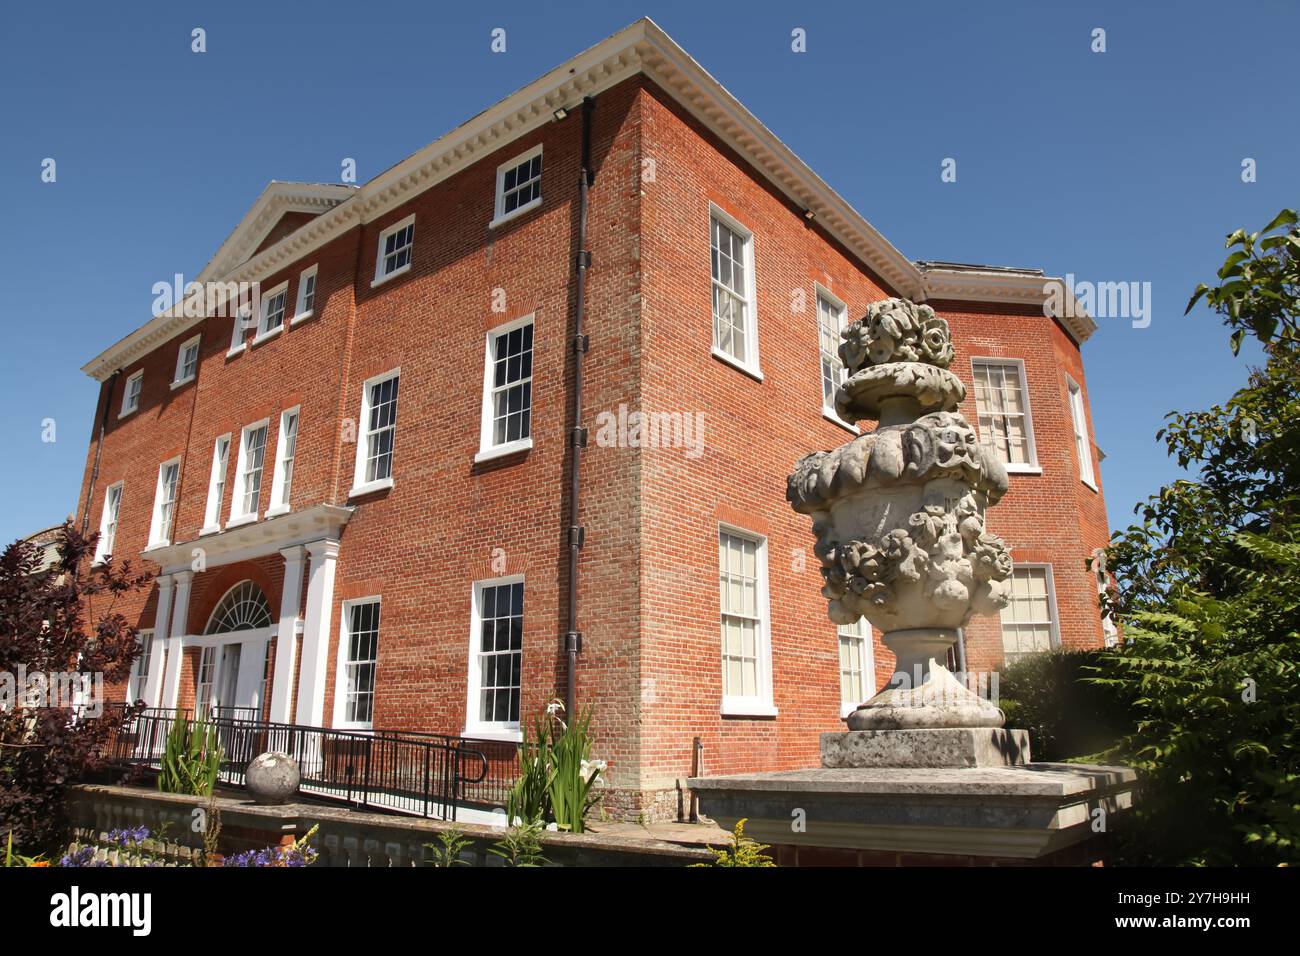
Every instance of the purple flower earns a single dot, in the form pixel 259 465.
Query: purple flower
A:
pixel 84 857
pixel 129 838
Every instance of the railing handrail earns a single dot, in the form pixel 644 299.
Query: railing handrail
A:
pixel 394 767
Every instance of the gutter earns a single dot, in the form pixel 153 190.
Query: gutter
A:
pixel 578 434
pixel 99 450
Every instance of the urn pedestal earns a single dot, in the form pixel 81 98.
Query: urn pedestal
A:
pixel 926 771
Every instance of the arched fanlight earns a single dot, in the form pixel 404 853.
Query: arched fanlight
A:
pixel 244 607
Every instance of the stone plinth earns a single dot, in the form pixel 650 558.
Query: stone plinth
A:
pixel 948 747
pixel 979 815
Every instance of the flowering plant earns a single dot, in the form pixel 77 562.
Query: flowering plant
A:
pixel 298 853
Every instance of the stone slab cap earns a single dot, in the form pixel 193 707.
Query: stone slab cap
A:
pixel 1023 812
pixel 955 747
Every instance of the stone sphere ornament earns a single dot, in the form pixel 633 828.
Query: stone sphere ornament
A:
pixel 272 778
pixel 898 515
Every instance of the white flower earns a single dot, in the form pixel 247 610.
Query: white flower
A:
pixel 590 768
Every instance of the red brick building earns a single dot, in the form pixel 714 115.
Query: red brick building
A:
pixel 359 500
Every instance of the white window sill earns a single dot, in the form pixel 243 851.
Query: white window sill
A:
pixel 383 484
pixel 846 709
pixel 354 728
pixel 515 213
pixel 276 511
pixel 380 280
pixel 753 371
pixel 126 414
pixel 239 520
pixel 155 545
pixel 235 351
pixel 303 317
pixel 494 733
pixel 100 560
pixel 1024 469
pixel 501 451
pixel 1090 484
pixel 266 336
pixel 181 383
pixel 830 416
pixel 210 529
pixel 747 708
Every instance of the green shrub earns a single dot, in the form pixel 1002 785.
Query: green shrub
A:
pixel 447 851
pixel 1068 716
pixel 191 759
pixel 556 776
pixel 1207 587
pixel 742 851
pixel 521 846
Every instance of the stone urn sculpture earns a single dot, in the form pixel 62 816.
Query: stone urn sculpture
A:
pixel 898 514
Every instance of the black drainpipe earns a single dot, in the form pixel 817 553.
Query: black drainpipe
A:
pixel 99 448
pixel 578 434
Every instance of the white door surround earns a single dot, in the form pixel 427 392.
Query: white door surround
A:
pixel 308 541
pixel 239 659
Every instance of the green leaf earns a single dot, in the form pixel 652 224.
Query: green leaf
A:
pixel 1287 217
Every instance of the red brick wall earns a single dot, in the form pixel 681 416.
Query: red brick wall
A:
pixel 757 430
pixel 649 594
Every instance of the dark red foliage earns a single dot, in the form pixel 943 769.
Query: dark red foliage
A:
pixel 44 628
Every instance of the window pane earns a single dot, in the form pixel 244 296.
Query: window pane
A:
pixel 741 621
pixel 500 652
pixel 1001 408
pixel 1027 618
pixel 511 391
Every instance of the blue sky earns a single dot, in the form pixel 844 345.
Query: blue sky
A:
pixel 1118 166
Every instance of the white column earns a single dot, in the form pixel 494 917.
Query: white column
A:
pixel 175 646
pixel 286 640
pixel 153 681
pixel 316 633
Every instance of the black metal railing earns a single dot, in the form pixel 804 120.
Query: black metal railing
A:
pixel 406 771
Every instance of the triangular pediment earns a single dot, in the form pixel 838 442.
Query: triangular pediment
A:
pixel 281 209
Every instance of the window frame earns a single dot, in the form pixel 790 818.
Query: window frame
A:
pixel 867 677
pixel 1033 466
pixel 340 720
pixel 828 410
pixel 180 378
pixel 241 323
pixel 490 730
pixel 1082 440
pixel 135 399
pixel 208 656
pixel 486 449
pixel 1054 626
pixel 216 485
pixel 263 313
pixel 380 275
pixel 279 492
pixel 750 366
pixel 237 518
pixel 762 704
pixel 103 554
pixel 302 311
pixel 156 539
pixel 359 484
pixel 499 215
pixel 140 666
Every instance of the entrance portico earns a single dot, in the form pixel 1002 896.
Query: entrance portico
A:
pixel 235 641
